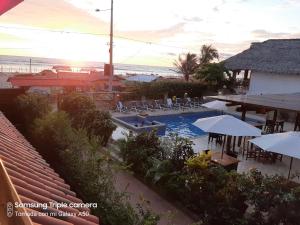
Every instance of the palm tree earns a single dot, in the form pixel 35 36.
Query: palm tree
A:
pixel 207 54
pixel 186 65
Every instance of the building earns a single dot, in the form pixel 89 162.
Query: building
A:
pixel 143 78
pixel 90 81
pixel 27 179
pixel 273 66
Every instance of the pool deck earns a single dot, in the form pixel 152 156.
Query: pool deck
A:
pixel 201 143
pixel 159 112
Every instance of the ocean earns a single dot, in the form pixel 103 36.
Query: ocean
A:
pixel 21 64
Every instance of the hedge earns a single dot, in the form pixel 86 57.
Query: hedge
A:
pixel 157 90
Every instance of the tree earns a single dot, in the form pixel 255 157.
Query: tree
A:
pixel 187 65
pixel 213 73
pixel 31 107
pixel 89 170
pixel 207 54
pixel 84 114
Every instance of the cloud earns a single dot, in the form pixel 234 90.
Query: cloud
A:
pixel 264 34
pixel 50 14
pixel 223 56
pixel 193 19
pixel 216 9
pixel 171 54
pixel 153 35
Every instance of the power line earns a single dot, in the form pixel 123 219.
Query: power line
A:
pixel 97 34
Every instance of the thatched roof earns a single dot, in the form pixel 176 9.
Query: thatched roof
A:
pixel 281 56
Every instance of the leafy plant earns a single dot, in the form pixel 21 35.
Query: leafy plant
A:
pixel 187 65
pixel 140 150
pixel 207 54
pixel 200 161
pixel 158 89
pixel 84 114
pixel 179 148
pixel 212 73
pixel 80 160
pixel 32 106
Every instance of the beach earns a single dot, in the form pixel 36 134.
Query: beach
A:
pixel 24 64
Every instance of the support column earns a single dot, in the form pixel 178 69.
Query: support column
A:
pixel 275 116
pixel 246 73
pixel 274 121
pixel 243 118
pixel 297 122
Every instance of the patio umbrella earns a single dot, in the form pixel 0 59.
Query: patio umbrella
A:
pixel 287 143
pixel 227 125
pixel 219 105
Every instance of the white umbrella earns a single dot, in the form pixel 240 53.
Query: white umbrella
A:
pixel 287 143
pixel 219 105
pixel 227 125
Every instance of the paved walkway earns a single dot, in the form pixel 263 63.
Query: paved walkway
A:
pixel 168 212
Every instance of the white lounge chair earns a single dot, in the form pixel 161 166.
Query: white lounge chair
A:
pixel 121 107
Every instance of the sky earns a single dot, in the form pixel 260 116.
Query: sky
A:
pixel 152 32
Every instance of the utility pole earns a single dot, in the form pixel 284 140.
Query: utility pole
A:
pixel 30 65
pixel 111 46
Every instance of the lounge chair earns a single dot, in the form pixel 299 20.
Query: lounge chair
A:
pixel 196 102
pixel 188 104
pixel 121 107
pixel 157 105
pixel 170 105
pixel 134 107
pixel 147 106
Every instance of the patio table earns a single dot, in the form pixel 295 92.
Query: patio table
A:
pixel 228 162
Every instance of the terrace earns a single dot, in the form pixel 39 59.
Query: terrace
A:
pixel 201 141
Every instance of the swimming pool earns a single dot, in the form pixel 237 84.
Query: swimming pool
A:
pixel 182 124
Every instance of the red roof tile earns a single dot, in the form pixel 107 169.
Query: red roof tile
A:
pixel 36 182
pixel 61 79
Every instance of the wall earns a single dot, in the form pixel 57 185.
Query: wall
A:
pixel 267 83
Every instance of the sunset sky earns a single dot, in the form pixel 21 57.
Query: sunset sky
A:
pixel 147 32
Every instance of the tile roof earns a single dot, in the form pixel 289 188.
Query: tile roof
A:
pixel 280 56
pixel 35 181
pixel 60 79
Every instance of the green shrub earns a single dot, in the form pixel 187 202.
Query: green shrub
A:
pixel 79 159
pixel 84 114
pixel 52 134
pixel 274 199
pixel 139 151
pixel 157 90
pixel 76 105
pixel 99 123
pixel 32 106
pixel 212 73
pixel 179 148
pixel 217 196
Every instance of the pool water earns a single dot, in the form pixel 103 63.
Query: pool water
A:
pixel 182 124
